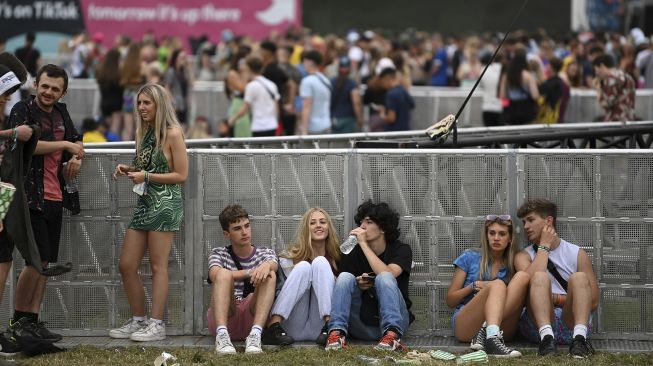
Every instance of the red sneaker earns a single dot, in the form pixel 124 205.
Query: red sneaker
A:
pixel 391 342
pixel 335 341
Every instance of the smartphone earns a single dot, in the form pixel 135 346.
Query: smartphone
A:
pixel 370 277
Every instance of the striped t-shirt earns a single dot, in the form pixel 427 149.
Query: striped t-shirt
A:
pixel 220 257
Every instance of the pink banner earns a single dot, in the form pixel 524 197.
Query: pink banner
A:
pixel 184 18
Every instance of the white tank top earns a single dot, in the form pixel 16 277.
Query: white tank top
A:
pixel 565 258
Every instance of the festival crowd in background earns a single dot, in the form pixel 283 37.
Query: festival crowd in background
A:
pixel 310 83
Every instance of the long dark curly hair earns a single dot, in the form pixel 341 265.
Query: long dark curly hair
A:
pixel 382 215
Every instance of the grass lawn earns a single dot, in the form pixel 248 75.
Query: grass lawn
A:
pixel 83 356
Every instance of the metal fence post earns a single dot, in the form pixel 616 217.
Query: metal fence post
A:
pixel 194 210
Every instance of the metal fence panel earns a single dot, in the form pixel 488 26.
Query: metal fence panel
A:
pixel 605 200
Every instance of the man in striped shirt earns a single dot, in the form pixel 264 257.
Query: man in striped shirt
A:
pixel 243 277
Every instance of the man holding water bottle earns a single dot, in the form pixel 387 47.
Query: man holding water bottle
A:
pixel 370 299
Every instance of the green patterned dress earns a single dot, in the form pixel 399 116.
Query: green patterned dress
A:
pixel 161 209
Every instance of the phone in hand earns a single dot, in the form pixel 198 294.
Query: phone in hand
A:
pixel 370 277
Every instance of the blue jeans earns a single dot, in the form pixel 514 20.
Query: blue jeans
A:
pixel 346 304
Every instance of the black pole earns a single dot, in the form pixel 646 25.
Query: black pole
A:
pixel 469 96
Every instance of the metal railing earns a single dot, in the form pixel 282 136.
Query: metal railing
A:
pixel 431 104
pixel 350 140
pixel 605 200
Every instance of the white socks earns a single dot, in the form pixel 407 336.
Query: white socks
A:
pixel 492 330
pixel 580 329
pixel 139 318
pixel 256 329
pixel 221 329
pixel 546 330
pixel 156 321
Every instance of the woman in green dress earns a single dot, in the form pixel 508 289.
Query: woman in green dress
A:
pixel 160 166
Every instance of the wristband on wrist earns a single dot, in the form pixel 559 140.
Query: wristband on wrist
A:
pixel 147 177
pixel 542 247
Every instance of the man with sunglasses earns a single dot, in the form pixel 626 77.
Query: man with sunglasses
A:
pixel 563 289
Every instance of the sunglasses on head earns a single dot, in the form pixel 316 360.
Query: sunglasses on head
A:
pixel 500 217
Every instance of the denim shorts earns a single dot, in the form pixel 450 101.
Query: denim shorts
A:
pixel 454 316
pixel 561 332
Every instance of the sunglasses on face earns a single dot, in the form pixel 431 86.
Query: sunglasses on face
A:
pixel 499 217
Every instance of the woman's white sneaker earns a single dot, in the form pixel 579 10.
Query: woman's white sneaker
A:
pixel 153 332
pixel 127 329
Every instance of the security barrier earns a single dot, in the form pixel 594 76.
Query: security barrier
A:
pixel 604 197
pixel 431 104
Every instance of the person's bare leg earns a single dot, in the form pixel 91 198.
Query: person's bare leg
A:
pixel 515 300
pixel 159 245
pixel 131 255
pixel 5 267
pixel 128 127
pixel 486 306
pixel 276 318
pixel 115 122
pixel 39 292
pixel 578 304
pixel 222 293
pixel 27 279
pixel 263 299
pixel 540 306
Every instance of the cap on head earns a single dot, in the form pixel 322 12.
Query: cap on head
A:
pixel 9 82
pixel 343 62
pixel 384 63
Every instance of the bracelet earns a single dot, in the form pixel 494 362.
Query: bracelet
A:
pixel 147 177
pixel 542 247
pixel 473 286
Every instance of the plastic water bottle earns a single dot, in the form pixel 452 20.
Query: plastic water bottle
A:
pixel 70 185
pixel 348 245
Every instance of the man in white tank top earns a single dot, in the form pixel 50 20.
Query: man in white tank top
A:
pixel 561 300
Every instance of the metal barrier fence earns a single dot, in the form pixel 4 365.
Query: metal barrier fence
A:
pixel 431 104
pixel 349 140
pixel 605 200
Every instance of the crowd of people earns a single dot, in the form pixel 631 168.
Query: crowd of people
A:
pixel 319 79
pixel 311 291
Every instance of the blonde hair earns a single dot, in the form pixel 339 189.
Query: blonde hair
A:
pixel 164 117
pixel 508 253
pixel 301 249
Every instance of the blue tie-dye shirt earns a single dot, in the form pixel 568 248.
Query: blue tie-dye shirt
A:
pixel 470 263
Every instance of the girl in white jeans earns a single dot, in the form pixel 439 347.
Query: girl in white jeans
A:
pixel 303 305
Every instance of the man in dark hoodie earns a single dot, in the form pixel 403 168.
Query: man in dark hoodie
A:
pixel 12 75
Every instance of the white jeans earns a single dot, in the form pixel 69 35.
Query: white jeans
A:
pixel 305 299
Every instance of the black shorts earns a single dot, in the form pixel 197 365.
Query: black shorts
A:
pixel 46 226
pixel 6 247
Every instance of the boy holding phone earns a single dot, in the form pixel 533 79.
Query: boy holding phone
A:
pixel 365 305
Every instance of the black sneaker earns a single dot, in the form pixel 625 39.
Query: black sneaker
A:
pixel 478 342
pixel 547 346
pixel 580 347
pixel 46 334
pixel 8 347
pixel 275 335
pixel 324 335
pixel 494 346
pixel 23 328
